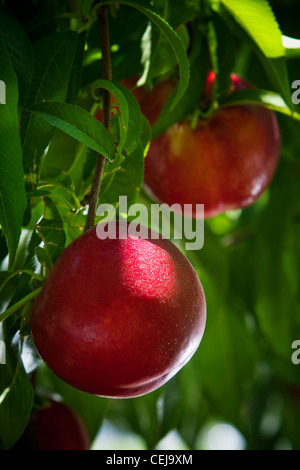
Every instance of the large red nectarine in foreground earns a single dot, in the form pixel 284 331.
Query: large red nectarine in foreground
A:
pixel 119 317
pixel 225 162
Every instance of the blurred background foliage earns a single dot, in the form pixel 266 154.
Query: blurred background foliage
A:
pixel 241 390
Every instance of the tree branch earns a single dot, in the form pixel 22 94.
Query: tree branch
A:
pixel 93 196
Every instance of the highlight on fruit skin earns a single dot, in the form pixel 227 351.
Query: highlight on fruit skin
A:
pixel 225 162
pixel 119 317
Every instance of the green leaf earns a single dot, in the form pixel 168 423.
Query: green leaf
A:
pixel 276 258
pixel 227 353
pixel 61 153
pixel 130 114
pixel 123 108
pixel 174 40
pixel 58 183
pixel 20 51
pixel 76 71
pixel 79 124
pixel 161 59
pixel 126 180
pixel 223 49
pixel 181 12
pixel 265 98
pixel 134 127
pixel 54 57
pixel 56 177
pixel 199 63
pixel 211 264
pixel 16 396
pixel 227 357
pixel 51 231
pixel 126 28
pixel 12 190
pixel 256 17
pixel 125 176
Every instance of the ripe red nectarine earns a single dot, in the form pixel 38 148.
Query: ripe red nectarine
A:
pixel 225 162
pixel 119 317
pixel 54 426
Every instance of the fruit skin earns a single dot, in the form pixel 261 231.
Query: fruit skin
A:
pixel 119 317
pixel 54 427
pixel 225 163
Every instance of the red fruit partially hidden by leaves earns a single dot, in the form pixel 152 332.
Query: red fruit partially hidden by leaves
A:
pixel 152 101
pixel 119 317
pixel 54 427
pixel 225 163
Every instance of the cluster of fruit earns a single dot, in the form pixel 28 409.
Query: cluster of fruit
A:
pixel 118 318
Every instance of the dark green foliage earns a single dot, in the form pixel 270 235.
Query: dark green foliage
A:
pixel 250 263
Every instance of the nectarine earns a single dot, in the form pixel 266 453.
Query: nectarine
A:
pixel 119 317
pixel 225 162
pixel 54 426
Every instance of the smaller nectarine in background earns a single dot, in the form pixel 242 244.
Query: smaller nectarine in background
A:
pixel 54 426
pixel 225 162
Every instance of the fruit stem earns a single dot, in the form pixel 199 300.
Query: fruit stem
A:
pixel 93 197
pixel 18 305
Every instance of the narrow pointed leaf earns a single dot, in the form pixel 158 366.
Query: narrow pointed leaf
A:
pixel 12 190
pixel 174 41
pixel 77 123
